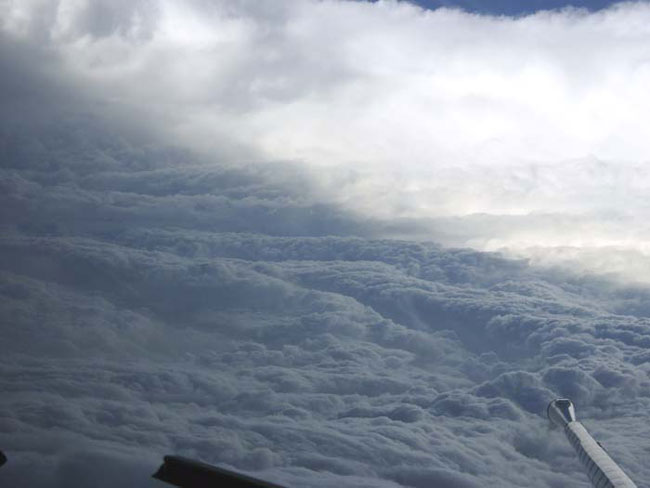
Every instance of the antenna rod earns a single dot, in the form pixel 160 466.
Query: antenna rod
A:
pixel 601 469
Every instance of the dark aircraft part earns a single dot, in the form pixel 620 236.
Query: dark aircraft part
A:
pixel 3 458
pixel 186 473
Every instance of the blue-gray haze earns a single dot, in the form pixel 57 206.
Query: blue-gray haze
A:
pixel 513 7
pixel 156 301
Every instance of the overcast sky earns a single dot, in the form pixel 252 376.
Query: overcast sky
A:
pixel 256 234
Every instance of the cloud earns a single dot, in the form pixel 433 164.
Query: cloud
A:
pixel 324 353
pixel 514 134
pixel 154 300
pixel 545 88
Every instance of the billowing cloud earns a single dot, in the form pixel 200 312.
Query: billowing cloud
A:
pixel 150 307
pixel 434 88
pixel 229 306
pixel 522 134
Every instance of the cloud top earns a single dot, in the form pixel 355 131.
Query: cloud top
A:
pixel 424 87
pixel 535 121
pixel 152 303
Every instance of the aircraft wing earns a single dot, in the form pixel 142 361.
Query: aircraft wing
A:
pixel 187 473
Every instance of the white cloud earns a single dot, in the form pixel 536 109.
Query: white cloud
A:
pixel 414 113
pixel 341 82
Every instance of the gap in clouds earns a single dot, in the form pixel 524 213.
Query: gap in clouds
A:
pixel 514 8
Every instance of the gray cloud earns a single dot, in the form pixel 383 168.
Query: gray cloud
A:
pixel 154 301
pixel 268 352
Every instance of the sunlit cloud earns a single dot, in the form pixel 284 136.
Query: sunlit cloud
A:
pixel 399 111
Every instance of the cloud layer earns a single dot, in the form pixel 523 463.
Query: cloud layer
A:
pixel 154 300
pixel 533 126
pixel 151 306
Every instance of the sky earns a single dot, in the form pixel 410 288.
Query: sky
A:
pixel 321 242
pixel 513 7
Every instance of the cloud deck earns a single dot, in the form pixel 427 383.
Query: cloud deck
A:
pixel 154 300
